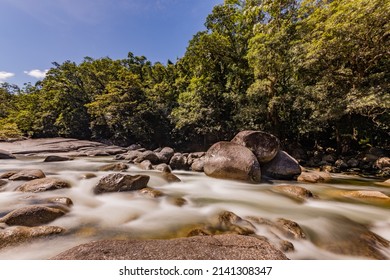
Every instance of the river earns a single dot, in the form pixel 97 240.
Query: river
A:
pixel 325 220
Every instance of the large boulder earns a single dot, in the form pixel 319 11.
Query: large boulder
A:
pixel 229 160
pixel 32 216
pixel 43 184
pixel 283 166
pixel 265 146
pixel 16 235
pixel 218 247
pixel 6 155
pixel 119 182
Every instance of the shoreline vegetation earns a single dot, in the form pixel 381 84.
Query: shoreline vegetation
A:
pixel 313 73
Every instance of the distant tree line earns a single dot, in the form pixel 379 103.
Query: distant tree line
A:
pixel 312 71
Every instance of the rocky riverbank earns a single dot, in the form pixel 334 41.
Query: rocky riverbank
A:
pixel 38 200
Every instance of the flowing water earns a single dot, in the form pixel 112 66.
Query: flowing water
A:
pixel 122 215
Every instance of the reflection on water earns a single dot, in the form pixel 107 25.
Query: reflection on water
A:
pixel 328 221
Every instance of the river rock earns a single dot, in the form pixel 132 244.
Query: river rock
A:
pixel 114 167
pixel 146 165
pixel 290 229
pixel 265 146
pixel 341 165
pixel 353 163
pixel 382 163
pixel 227 221
pixel 2 182
pixel 385 183
pixel 162 167
pixel 55 158
pixel 283 166
pixel 218 247
pixel 6 155
pixel 66 201
pixel 314 177
pixel 42 185
pixel 281 226
pixel 198 165
pixel 8 174
pixel 32 216
pixel 118 182
pixel 165 155
pixel 170 177
pixel 295 192
pixel 178 162
pixel 153 193
pixel 16 235
pixel 194 156
pixel 228 160
pixel 97 153
pixel 147 155
pixel 27 175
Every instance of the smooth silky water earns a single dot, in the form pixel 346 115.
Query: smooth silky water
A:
pixel 131 215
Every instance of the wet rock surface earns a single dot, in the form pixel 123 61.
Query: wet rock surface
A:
pixel 31 216
pixel 296 192
pixel 219 247
pixel 282 166
pixel 17 235
pixel 119 182
pixel 232 161
pixel 27 175
pixel 42 185
pixel 55 158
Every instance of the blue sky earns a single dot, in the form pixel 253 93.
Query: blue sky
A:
pixel 35 33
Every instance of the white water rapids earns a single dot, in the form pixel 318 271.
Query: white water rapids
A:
pixel 130 215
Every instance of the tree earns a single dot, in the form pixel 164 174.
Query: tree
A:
pixel 344 66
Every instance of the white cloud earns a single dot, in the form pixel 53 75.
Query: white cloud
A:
pixel 5 75
pixel 38 74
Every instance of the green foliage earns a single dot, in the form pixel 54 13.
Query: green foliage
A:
pixel 304 70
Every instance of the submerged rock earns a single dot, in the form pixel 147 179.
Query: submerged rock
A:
pixel 32 216
pixel 295 192
pixel 349 238
pixel 42 185
pixel 6 155
pixel 219 247
pixel 228 160
pixel 118 182
pixel 153 193
pixel 265 146
pixel 55 158
pixel 13 236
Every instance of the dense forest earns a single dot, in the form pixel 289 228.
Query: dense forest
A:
pixel 313 72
